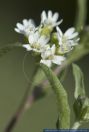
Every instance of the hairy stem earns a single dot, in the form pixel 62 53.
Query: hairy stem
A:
pixel 62 99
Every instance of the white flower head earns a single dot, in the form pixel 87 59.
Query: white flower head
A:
pixel 49 57
pixel 26 27
pixel 50 19
pixel 36 42
pixel 67 40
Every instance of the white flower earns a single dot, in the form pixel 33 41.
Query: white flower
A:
pixel 49 57
pixel 36 42
pixel 50 19
pixel 26 27
pixel 67 40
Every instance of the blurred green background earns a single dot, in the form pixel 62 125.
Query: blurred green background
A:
pixel 13 83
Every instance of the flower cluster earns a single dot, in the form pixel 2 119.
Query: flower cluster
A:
pixel 51 45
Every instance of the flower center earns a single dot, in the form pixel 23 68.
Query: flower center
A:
pixel 36 46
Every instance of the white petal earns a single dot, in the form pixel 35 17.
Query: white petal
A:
pixel 46 62
pixel 69 31
pixel 44 48
pixel 27 46
pixel 43 40
pixel 46 40
pixel 59 32
pixel 31 39
pixel 20 26
pixel 74 42
pixel 46 53
pixel 73 35
pixel 49 14
pixel 17 30
pixel 55 17
pixel 36 36
pixel 31 21
pixel 57 23
pixel 25 22
pixel 43 16
pixel 58 59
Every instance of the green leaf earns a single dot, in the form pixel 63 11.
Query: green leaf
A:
pixel 61 96
pixel 8 48
pixel 79 82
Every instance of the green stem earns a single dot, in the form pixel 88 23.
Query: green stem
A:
pixel 62 99
pixel 81 14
